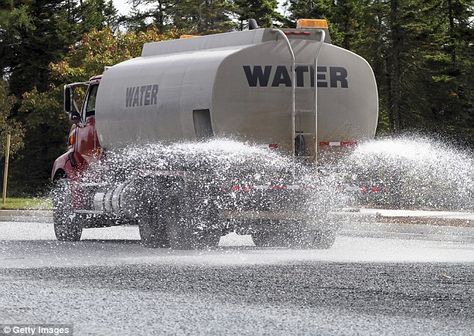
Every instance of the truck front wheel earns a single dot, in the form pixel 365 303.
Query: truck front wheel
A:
pixel 67 225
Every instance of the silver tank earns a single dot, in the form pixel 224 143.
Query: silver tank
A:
pixel 236 85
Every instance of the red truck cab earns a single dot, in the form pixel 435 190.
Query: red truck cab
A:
pixel 83 143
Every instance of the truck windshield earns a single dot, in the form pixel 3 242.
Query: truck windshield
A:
pixel 90 107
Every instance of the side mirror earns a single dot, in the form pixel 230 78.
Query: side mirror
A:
pixel 67 99
pixel 75 117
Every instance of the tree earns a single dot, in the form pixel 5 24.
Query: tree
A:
pixel 186 16
pixel 448 86
pixel 345 17
pixel 97 14
pixel 201 16
pixel 7 124
pixel 12 20
pixel 34 34
pixel 100 48
pixel 263 11
pixel 426 78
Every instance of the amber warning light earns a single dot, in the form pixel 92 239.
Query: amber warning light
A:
pixel 72 139
pixel 311 23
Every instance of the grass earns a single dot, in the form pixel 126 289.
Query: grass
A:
pixel 14 203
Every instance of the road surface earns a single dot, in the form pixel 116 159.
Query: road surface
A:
pixel 388 283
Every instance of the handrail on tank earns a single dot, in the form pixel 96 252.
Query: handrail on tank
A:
pixel 293 90
pixel 323 37
pixel 293 86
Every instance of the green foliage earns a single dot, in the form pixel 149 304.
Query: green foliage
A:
pixel 27 204
pixel 187 16
pixel 35 33
pixel 96 14
pixel 202 16
pixel 100 48
pixel 7 124
pixel 46 131
pixel 263 11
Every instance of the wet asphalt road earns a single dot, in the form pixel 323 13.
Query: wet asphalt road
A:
pixel 109 285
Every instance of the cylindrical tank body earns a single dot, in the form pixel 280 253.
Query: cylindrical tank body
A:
pixel 235 85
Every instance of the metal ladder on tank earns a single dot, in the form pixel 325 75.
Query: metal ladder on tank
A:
pixel 297 112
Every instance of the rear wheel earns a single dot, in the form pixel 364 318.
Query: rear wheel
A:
pixel 67 225
pixel 167 225
pixel 168 222
pixel 154 221
pixel 196 229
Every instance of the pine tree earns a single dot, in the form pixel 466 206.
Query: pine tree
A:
pixel 308 9
pixel 155 13
pixel 35 34
pixel 97 14
pixel 7 124
pixel 186 16
pixel 202 16
pixel 449 87
pixel 263 11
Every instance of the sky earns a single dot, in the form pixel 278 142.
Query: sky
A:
pixel 122 6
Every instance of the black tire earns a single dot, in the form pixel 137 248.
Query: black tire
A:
pixel 153 229
pixel 154 209
pixel 193 230
pixel 168 222
pixel 67 225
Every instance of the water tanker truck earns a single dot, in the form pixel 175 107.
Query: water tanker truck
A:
pixel 290 90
